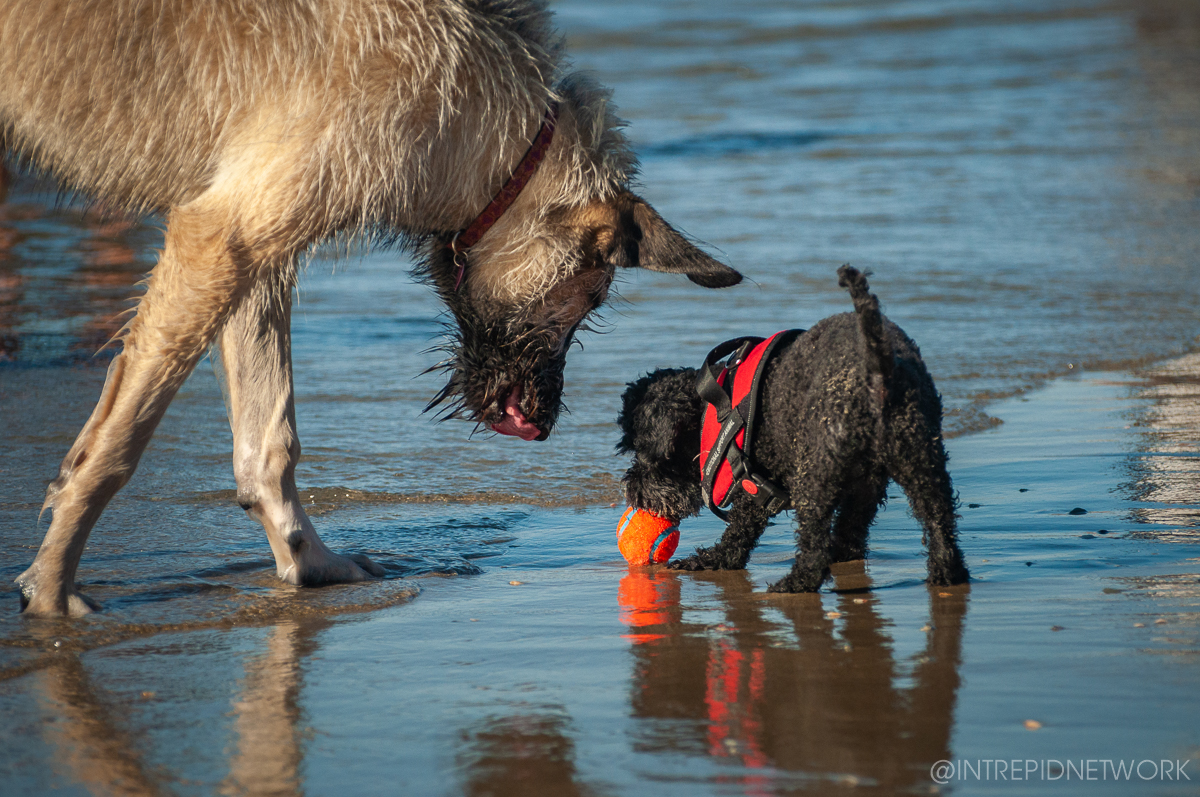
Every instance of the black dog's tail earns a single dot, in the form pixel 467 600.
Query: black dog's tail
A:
pixel 879 358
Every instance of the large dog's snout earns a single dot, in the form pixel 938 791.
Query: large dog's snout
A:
pixel 514 423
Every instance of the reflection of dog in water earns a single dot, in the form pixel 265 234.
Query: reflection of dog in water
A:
pixel 844 408
pixel 789 691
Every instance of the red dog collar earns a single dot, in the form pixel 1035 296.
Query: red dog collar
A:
pixel 465 239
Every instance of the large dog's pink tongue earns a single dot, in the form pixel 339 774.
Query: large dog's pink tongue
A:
pixel 515 423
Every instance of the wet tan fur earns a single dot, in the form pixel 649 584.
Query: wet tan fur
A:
pixel 258 129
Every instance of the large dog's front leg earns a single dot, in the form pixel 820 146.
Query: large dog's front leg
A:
pixel 191 291
pixel 255 349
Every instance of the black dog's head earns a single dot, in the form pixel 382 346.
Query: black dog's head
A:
pixel 660 425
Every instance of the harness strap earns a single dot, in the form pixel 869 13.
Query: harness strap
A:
pixel 718 386
pixel 708 383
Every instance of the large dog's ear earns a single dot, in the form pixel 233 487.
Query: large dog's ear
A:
pixel 644 239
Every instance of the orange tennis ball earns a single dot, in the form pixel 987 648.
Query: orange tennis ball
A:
pixel 645 538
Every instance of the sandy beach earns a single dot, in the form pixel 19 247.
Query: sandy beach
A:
pixel 1019 177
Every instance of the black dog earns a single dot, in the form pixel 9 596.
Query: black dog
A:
pixel 844 407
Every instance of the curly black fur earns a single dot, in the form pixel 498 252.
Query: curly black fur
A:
pixel 846 407
pixel 660 424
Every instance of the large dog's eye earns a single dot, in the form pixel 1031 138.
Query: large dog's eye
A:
pixel 604 240
pixel 608 249
pixel 568 302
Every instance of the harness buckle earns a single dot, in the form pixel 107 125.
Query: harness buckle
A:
pixel 460 261
pixel 765 493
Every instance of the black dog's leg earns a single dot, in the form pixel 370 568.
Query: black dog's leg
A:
pixel 919 467
pixel 856 512
pixel 747 521
pixel 814 517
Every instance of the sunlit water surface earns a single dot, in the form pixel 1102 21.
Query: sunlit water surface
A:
pixel 1020 177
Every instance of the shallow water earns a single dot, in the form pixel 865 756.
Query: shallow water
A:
pixel 1020 177
pixel 557 670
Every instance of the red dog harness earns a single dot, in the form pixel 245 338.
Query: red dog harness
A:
pixel 726 438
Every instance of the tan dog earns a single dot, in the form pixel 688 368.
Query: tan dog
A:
pixel 261 128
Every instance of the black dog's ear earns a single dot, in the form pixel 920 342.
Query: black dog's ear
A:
pixel 644 239
pixel 659 414
pixel 666 495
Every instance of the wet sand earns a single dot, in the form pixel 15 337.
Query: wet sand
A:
pixel 554 669
pixel 1021 178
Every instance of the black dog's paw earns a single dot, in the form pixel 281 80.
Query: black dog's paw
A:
pixel 948 574
pixel 809 581
pixel 692 564
pixel 790 586
pixel 843 551
pixel 714 558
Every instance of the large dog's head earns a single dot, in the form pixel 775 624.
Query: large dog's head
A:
pixel 535 276
pixel 660 422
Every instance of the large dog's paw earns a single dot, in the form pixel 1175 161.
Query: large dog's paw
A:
pixel 364 562
pixel 337 569
pixel 313 564
pixel 41 600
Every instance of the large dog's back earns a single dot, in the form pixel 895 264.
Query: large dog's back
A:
pixel 148 104
pixel 130 102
